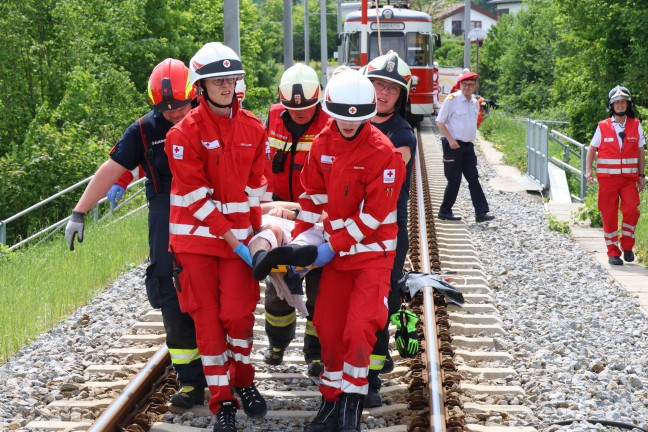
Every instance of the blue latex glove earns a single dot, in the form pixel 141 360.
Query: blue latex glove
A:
pixel 115 193
pixel 324 255
pixel 244 252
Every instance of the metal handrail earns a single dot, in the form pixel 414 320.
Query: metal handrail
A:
pixel 57 225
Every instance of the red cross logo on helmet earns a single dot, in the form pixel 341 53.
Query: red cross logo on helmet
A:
pixel 353 110
pixel 226 63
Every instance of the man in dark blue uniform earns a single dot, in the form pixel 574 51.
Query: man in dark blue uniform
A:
pixel 391 77
pixel 170 97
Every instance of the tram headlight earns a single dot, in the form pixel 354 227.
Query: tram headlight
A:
pixel 388 14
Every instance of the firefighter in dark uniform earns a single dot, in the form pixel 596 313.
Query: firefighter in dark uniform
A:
pixel 391 78
pixel 170 96
pixel 292 125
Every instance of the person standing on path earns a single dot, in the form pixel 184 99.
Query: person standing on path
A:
pixel 391 77
pixel 216 156
pixel 292 125
pixel 457 121
pixel 619 143
pixel 170 96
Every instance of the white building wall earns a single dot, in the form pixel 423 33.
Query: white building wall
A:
pixel 487 22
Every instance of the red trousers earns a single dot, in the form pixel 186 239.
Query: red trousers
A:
pixel 351 306
pixel 220 295
pixel 611 189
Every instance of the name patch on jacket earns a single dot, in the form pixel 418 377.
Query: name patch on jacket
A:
pixel 178 152
pixel 210 145
pixel 608 139
pixel 326 159
pixel 389 176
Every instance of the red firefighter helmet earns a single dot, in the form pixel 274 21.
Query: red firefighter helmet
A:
pixel 169 87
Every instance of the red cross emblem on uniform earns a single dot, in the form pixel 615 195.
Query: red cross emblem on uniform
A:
pixel 353 110
pixel 226 63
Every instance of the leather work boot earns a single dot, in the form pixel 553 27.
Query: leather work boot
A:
pixel 350 412
pixel 372 399
pixel 315 368
pixel 628 256
pixel 615 260
pixel 188 396
pixel 273 356
pixel 226 417
pixel 449 217
pixel 326 419
pixel 253 403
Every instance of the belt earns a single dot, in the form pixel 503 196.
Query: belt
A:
pixel 464 142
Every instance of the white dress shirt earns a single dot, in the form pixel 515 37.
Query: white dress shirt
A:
pixel 460 116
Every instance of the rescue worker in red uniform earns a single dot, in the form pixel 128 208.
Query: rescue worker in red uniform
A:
pixel 354 174
pixel 391 79
pixel 620 171
pixel 292 125
pixel 216 155
pixel 170 96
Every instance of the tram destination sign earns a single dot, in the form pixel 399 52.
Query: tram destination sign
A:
pixel 388 26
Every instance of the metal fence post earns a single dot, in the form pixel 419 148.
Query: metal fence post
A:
pixel 583 182
pixel 3 233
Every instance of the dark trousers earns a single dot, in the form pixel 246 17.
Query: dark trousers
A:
pixel 179 327
pixel 458 162
pixel 381 347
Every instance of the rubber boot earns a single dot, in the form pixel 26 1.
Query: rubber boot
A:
pixel 326 419
pixel 350 412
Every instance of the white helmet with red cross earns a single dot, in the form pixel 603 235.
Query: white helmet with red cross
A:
pixel 215 60
pixel 349 96
pixel 299 87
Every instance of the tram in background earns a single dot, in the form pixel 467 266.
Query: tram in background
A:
pixel 405 31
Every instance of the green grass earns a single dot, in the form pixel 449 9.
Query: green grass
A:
pixel 509 137
pixel 42 285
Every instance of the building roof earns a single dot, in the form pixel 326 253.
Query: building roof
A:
pixel 455 9
pixel 505 1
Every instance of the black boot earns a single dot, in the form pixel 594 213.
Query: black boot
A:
pixel 350 412
pixel 326 419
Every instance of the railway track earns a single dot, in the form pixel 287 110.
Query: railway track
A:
pixel 471 392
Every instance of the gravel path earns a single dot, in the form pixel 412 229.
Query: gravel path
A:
pixel 579 341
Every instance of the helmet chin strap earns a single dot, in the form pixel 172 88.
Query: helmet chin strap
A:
pixel 620 114
pixel 387 114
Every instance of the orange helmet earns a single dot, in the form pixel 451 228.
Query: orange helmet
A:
pixel 169 87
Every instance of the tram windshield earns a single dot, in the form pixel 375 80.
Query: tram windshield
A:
pixel 414 47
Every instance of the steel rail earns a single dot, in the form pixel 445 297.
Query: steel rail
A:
pixel 136 390
pixel 436 401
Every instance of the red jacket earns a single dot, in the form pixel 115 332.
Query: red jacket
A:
pixel 613 161
pixel 357 182
pixel 279 139
pixel 217 166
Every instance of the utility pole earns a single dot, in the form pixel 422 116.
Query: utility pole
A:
pixel 287 39
pixel 306 35
pixel 231 28
pixel 466 25
pixel 339 25
pixel 324 47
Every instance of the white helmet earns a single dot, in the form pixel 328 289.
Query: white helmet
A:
pixel 349 96
pixel 392 68
pixel 215 60
pixel 619 93
pixel 240 89
pixel 436 65
pixel 299 87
